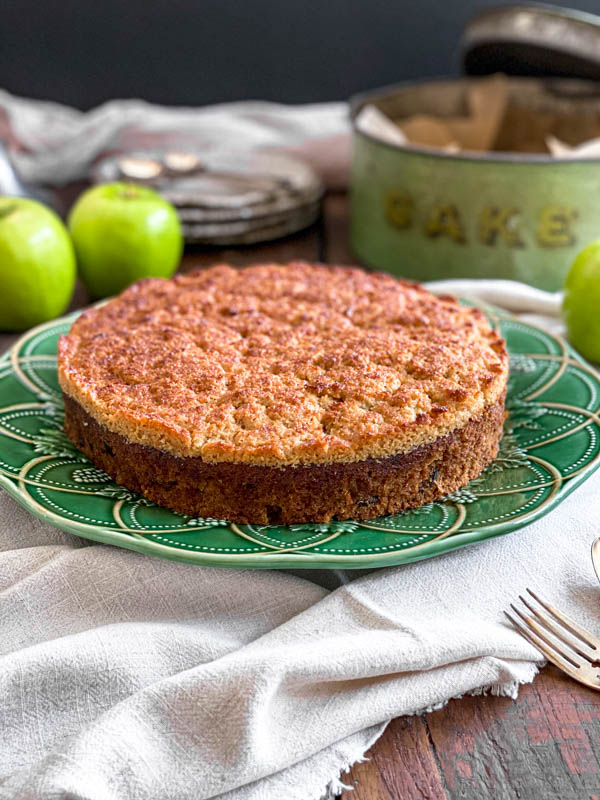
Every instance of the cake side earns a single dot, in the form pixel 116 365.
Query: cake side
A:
pixel 282 365
pixel 263 495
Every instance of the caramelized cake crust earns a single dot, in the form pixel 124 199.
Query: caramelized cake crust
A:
pixel 266 375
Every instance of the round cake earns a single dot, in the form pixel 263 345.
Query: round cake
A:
pixel 280 394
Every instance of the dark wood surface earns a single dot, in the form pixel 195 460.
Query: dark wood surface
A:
pixel 544 745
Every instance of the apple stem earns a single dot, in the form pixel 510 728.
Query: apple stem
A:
pixel 130 192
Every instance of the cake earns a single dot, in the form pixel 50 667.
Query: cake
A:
pixel 279 394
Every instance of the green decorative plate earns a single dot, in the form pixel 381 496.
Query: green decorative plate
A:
pixel 551 444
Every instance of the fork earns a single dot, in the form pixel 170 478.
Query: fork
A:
pixel 565 643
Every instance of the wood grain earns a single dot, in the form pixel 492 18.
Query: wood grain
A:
pixel 546 744
pixel 336 247
pixel 305 245
pixel 402 765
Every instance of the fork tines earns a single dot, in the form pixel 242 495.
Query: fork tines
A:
pixel 565 643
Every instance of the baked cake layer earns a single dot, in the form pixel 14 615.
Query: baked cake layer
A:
pixel 251 493
pixel 281 365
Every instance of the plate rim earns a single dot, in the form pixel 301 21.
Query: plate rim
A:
pixel 139 542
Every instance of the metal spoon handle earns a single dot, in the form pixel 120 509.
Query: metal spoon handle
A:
pixel 596 557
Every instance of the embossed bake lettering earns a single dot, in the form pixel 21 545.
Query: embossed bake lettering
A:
pixel 496 224
pixel 445 221
pixel 554 226
pixel 499 223
pixel 399 209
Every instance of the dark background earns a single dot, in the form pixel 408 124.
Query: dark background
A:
pixel 83 52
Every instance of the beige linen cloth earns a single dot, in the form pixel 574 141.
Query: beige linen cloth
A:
pixel 55 144
pixel 125 676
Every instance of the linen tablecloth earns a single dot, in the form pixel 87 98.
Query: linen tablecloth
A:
pixel 124 676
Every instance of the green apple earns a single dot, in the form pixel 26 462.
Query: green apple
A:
pixel 37 264
pixel 581 303
pixel 123 232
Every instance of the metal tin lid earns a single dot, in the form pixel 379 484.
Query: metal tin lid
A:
pixel 536 40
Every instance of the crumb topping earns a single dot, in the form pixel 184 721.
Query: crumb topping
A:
pixel 282 364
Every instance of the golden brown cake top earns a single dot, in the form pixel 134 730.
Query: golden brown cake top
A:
pixel 282 364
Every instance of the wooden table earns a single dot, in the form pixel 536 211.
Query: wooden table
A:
pixel 544 745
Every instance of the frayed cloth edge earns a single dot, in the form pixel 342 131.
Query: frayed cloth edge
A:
pixel 335 786
pixel 508 689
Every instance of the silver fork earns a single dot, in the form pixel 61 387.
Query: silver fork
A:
pixel 565 643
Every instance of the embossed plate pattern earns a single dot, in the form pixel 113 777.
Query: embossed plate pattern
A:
pixel 551 443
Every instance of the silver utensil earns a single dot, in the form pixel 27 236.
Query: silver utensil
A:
pixel 596 557
pixel 565 643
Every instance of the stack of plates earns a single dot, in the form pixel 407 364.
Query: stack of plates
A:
pixel 225 198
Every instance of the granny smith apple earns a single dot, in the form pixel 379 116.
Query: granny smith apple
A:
pixel 37 264
pixel 581 303
pixel 123 232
